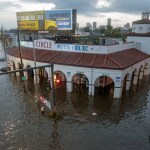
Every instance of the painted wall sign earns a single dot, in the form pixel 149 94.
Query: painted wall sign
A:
pixel 68 72
pixel 69 47
pixel 118 78
pixel 44 44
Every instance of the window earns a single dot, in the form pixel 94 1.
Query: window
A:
pixel 26 18
pixel 134 29
pixel 40 17
pixel 141 28
pixel 22 17
pixel 32 17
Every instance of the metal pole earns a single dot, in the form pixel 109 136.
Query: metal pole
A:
pixel 20 53
pixel 34 56
pixel 53 90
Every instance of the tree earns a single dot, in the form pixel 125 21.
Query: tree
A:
pixel 86 29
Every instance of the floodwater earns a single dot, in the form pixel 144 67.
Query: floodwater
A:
pixel 117 124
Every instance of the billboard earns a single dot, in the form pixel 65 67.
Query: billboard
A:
pixel 47 20
pixel 62 19
pixel 26 25
pixel 30 20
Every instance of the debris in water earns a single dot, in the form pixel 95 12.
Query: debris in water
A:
pixel 94 114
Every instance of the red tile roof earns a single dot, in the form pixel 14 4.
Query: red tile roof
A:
pixel 117 60
pixel 142 21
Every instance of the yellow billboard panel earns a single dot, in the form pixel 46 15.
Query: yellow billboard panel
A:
pixel 28 25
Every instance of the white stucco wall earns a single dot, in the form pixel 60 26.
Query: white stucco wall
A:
pixel 145 42
pixel 141 28
pixel 96 49
pixel 91 73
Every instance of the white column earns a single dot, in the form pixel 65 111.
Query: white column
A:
pixel 11 67
pixel 117 92
pixel 141 75
pixel 135 79
pixel 91 89
pixel 69 86
pixel 36 76
pixel 146 71
pixel 48 69
pixel 17 73
pixel 128 84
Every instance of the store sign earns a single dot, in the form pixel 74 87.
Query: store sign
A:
pixel 69 47
pixel 44 44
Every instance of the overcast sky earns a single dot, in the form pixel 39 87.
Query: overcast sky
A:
pixel 120 11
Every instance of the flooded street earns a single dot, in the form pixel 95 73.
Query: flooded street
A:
pixel 119 124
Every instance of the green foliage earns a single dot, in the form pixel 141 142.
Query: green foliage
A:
pixel 86 29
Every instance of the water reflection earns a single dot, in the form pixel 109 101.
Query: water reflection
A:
pixel 55 137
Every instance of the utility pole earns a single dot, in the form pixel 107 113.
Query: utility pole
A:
pixel 20 53
pixel 53 89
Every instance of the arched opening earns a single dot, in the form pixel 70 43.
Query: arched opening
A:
pixel 12 65
pixel 43 75
pixel 80 82
pixel 30 73
pixel 104 85
pixel 59 79
pixel 126 84
pixel 134 80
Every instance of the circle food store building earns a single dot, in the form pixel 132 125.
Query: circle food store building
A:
pixel 109 67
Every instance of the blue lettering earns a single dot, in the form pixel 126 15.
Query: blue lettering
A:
pixel 68 46
pixel 73 47
pixel 85 48
pixel 59 46
pixel 77 48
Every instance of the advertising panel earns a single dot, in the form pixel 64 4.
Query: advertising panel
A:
pixel 47 20
pixel 28 25
pixel 58 19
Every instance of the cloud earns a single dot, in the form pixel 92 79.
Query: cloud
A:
pixel 5 5
pixel 88 9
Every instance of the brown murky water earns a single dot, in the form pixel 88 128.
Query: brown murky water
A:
pixel 120 124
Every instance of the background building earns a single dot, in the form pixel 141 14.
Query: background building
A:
pixel 109 22
pixel 94 25
pixel 88 24
pixel 77 26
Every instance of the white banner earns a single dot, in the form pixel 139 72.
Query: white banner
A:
pixel 46 102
